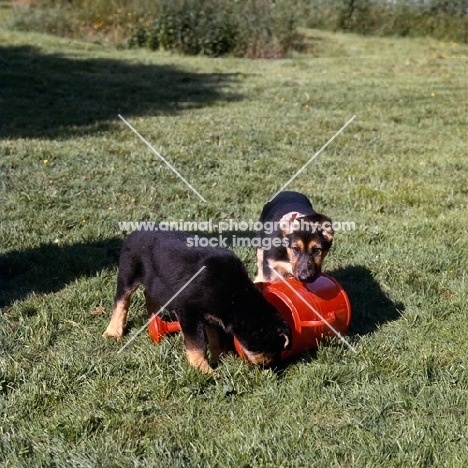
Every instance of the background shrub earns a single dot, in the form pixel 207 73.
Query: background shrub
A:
pixel 191 27
pixel 252 28
pixel 442 19
pixel 108 20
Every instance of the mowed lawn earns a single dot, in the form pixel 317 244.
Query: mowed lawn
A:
pixel 237 130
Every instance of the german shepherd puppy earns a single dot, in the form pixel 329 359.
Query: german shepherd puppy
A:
pixel 298 237
pixel 220 303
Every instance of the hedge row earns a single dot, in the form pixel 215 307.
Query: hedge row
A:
pixel 248 28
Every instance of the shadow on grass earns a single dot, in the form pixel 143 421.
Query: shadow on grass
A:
pixel 49 267
pixel 53 96
pixel 370 306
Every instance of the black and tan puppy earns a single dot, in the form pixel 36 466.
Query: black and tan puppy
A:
pixel 294 239
pixel 219 304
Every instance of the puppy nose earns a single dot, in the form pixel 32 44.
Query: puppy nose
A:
pixel 302 277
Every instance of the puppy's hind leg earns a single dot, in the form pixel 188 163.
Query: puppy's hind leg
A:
pixel 195 346
pixel 116 326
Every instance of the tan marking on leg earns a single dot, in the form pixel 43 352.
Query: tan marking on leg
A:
pixel 281 267
pixel 196 356
pixel 118 319
pixel 259 278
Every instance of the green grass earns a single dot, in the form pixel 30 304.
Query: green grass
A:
pixel 237 130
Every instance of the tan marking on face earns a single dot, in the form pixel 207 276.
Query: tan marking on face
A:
pixel 259 359
pixel 311 246
pixel 293 257
pixel 196 356
pixel 259 278
pixel 319 256
pixel 297 243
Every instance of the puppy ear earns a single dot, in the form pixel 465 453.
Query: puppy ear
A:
pixel 289 222
pixel 287 342
pixel 327 231
pixel 324 225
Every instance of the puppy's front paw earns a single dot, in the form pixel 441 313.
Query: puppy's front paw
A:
pixel 113 333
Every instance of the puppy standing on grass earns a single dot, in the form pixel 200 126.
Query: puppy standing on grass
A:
pixel 221 302
pixel 299 237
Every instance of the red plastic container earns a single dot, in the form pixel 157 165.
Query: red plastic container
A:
pixel 313 310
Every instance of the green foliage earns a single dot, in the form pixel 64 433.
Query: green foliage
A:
pixel 51 20
pixel 255 28
pixel 245 28
pixel 252 28
pixel 437 18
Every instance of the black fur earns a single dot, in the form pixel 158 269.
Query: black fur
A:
pixel 222 295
